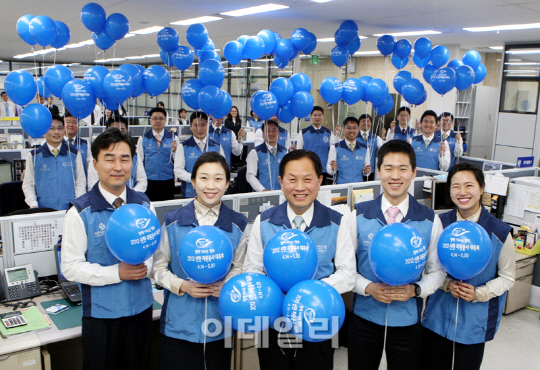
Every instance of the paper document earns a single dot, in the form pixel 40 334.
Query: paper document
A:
pixel 497 184
pixel 533 201
pixel 517 198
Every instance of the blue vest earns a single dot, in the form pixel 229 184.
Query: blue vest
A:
pixel 282 140
pixel 350 165
pixel 369 220
pixel 83 149
pixel 452 144
pixel 372 146
pixel 133 179
pixel 427 157
pixel 409 133
pixel 224 139
pixel 55 177
pixel 192 152
pixel 158 161
pixel 255 123
pixel 323 230
pixel 182 317
pixel 128 297
pixel 318 141
pixel 268 174
pixel 477 322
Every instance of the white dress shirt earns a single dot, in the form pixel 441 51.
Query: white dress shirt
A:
pixel 141 181
pixel 88 158
pixel 332 156
pixel 236 145
pixel 162 258
pixel 342 279
pixel 444 161
pixel 252 162
pixel 259 139
pixel 433 276
pixel 458 149
pixel 390 133
pixel 361 133
pixel 180 160
pixel 300 143
pixel 11 109
pixel 29 185
pixel 75 267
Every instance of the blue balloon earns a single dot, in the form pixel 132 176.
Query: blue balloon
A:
pixel 402 48
pixel 472 59
pixel 211 72
pixel 302 104
pixel 136 77
pixel 290 257
pixel 480 73
pixel 386 107
pixel 421 63
pixel 226 106
pixel 269 39
pixel 285 113
pixel 443 80
pixel 167 39
pixel 284 49
pixel 439 56
pixel 197 35
pixel 398 62
pixel 166 58
pixel 78 98
pixel 209 54
pixel 296 51
pixel 41 88
pixel 23 29
pixel 132 234
pixel 455 63
pixel 264 104
pixel 377 91
pixel 190 93
pixel 102 39
pixel 354 45
pixel 300 38
pixel 156 80
pixel 422 47
pixel 56 77
pixel 118 86
pixel 300 82
pixel 140 91
pixel 398 254
pixel 209 45
pixel 62 35
pixel 312 44
pixel 279 63
pixel 242 39
pixel 233 52
pixel 211 242
pixel 386 44
pixel 36 120
pixel 464 77
pixel 428 72
pixel 339 55
pixel 94 76
pixel 364 82
pixel 253 48
pixel 182 58
pixel 400 78
pixel 283 89
pixel 43 30
pixel 109 103
pixel 250 302
pixel 20 87
pixel 314 310
pixel 331 90
pixel 353 91
pixel 422 99
pixel 210 99
pixel 347 32
pixel 412 90
pixel 117 26
pixel 93 17
pixel 464 249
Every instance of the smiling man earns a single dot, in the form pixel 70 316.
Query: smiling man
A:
pixel 431 151
pixel 300 177
pixel 455 141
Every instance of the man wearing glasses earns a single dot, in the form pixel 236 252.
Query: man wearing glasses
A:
pixel 156 150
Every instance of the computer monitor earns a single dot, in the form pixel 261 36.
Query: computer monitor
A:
pixel 6 174
pixel 84 132
pixel 251 205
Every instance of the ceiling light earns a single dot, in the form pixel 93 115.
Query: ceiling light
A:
pixel 187 22
pixel 506 27
pixel 328 39
pixel 521 71
pixel 321 1
pixel 146 31
pixel 367 53
pixel 116 59
pixel 254 10
pixel 255 67
pixel 151 56
pixel 409 33
pixel 522 64
pixel 135 57
pixel 496 47
pixel 525 51
pixel 101 60
pixel 129 35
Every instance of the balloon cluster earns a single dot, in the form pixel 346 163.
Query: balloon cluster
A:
pixel 105 30
pixel 347 43
pixel 43 30
pixel 412 90
pixel 174 54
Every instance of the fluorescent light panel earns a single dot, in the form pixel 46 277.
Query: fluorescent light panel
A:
pixel 409 33
pixel 367 53
pixel 496 47
pixel 506 27
pixel 187 22
pixel 151 56
pixel 331 39
pixel 254 10
pixel 521 71
pixel 527 51
pixel 321 1
pixel 148 30
pixel 523 64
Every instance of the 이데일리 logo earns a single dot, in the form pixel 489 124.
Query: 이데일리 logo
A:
pixel 235 294
pixel 142 222
pixel 203 243
pixel 416 241
pixel 459 231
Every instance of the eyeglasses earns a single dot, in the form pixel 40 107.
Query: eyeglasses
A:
pixel 158 118
pixel 59 128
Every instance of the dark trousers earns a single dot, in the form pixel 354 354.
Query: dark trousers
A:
pixel 160 190
pixel 310 355
pixel 366 342
pixel 178 354
pixel 117 343
pixel 437 353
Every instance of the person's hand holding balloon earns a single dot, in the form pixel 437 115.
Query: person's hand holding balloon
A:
pixel 132 272
pixel 459 289
pixel 217 288
pixel 400 293
pixel 196 290
pixel 378 291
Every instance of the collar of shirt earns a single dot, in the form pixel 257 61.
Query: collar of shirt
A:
pixel 424 137
pixel 270 146
pixel 364 132
pixel 205 215
pixel 155 134
pixel 403 208
pixel 67 139
pixel 446 132
pixel 199 142
pixel 473 218
pixel 307 216
pixel 350 142
pixel 215 127
pixel 54 147
pixel 109 197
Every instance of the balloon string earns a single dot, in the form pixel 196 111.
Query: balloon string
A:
pixel 205 317
pixel 386 328
pixel 113 55
pixel 455 334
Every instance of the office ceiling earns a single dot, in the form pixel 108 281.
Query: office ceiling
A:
pixel 372 17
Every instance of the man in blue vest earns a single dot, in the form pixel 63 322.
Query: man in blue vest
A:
pixel 383 312
pixel 191 149
pixel 431 151
pixel 348 160
pixel 402 131
pixel 116 297
pixel 156 150
pixel 226 138
pixel 284 138
pixel 255 121
pixel 263 161
pixel 372 141
pixel 455 141
pixel 72 129
pixel 54 172
pixel 300 177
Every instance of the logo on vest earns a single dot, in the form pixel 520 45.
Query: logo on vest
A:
pixel 235 295
pixel 193 155
pixel 203 243
pixel 287 236
pixel 416 241
pixel 101 231
pixel 370 236
pixel 458 231
pixel 326 139
pixel 433 149
pixel 322 248
pixel 358 157
pixel 66 164
pixel 142 223
pixel 101 226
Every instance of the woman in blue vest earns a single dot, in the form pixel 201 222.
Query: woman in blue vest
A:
pixel 226 138
pixel 187 304
pixel 482 298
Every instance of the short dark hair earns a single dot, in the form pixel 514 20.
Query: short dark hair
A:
pixel 447 114
pixel 251 113
pixel 211 157
pixel 298 154
pixel 269 122
pixel 67 114
pixel 160 102
pixel 364 116
pixel 3 92
pixel 182 110
pixel 157 110
pixel 110 137
pixel 114 119
pixel 396 146
pixel 351 119
pixel 429 113
pixel 464 166
pixel 195 115
pixel 406 109
pixel 319 108
pixel 58 118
